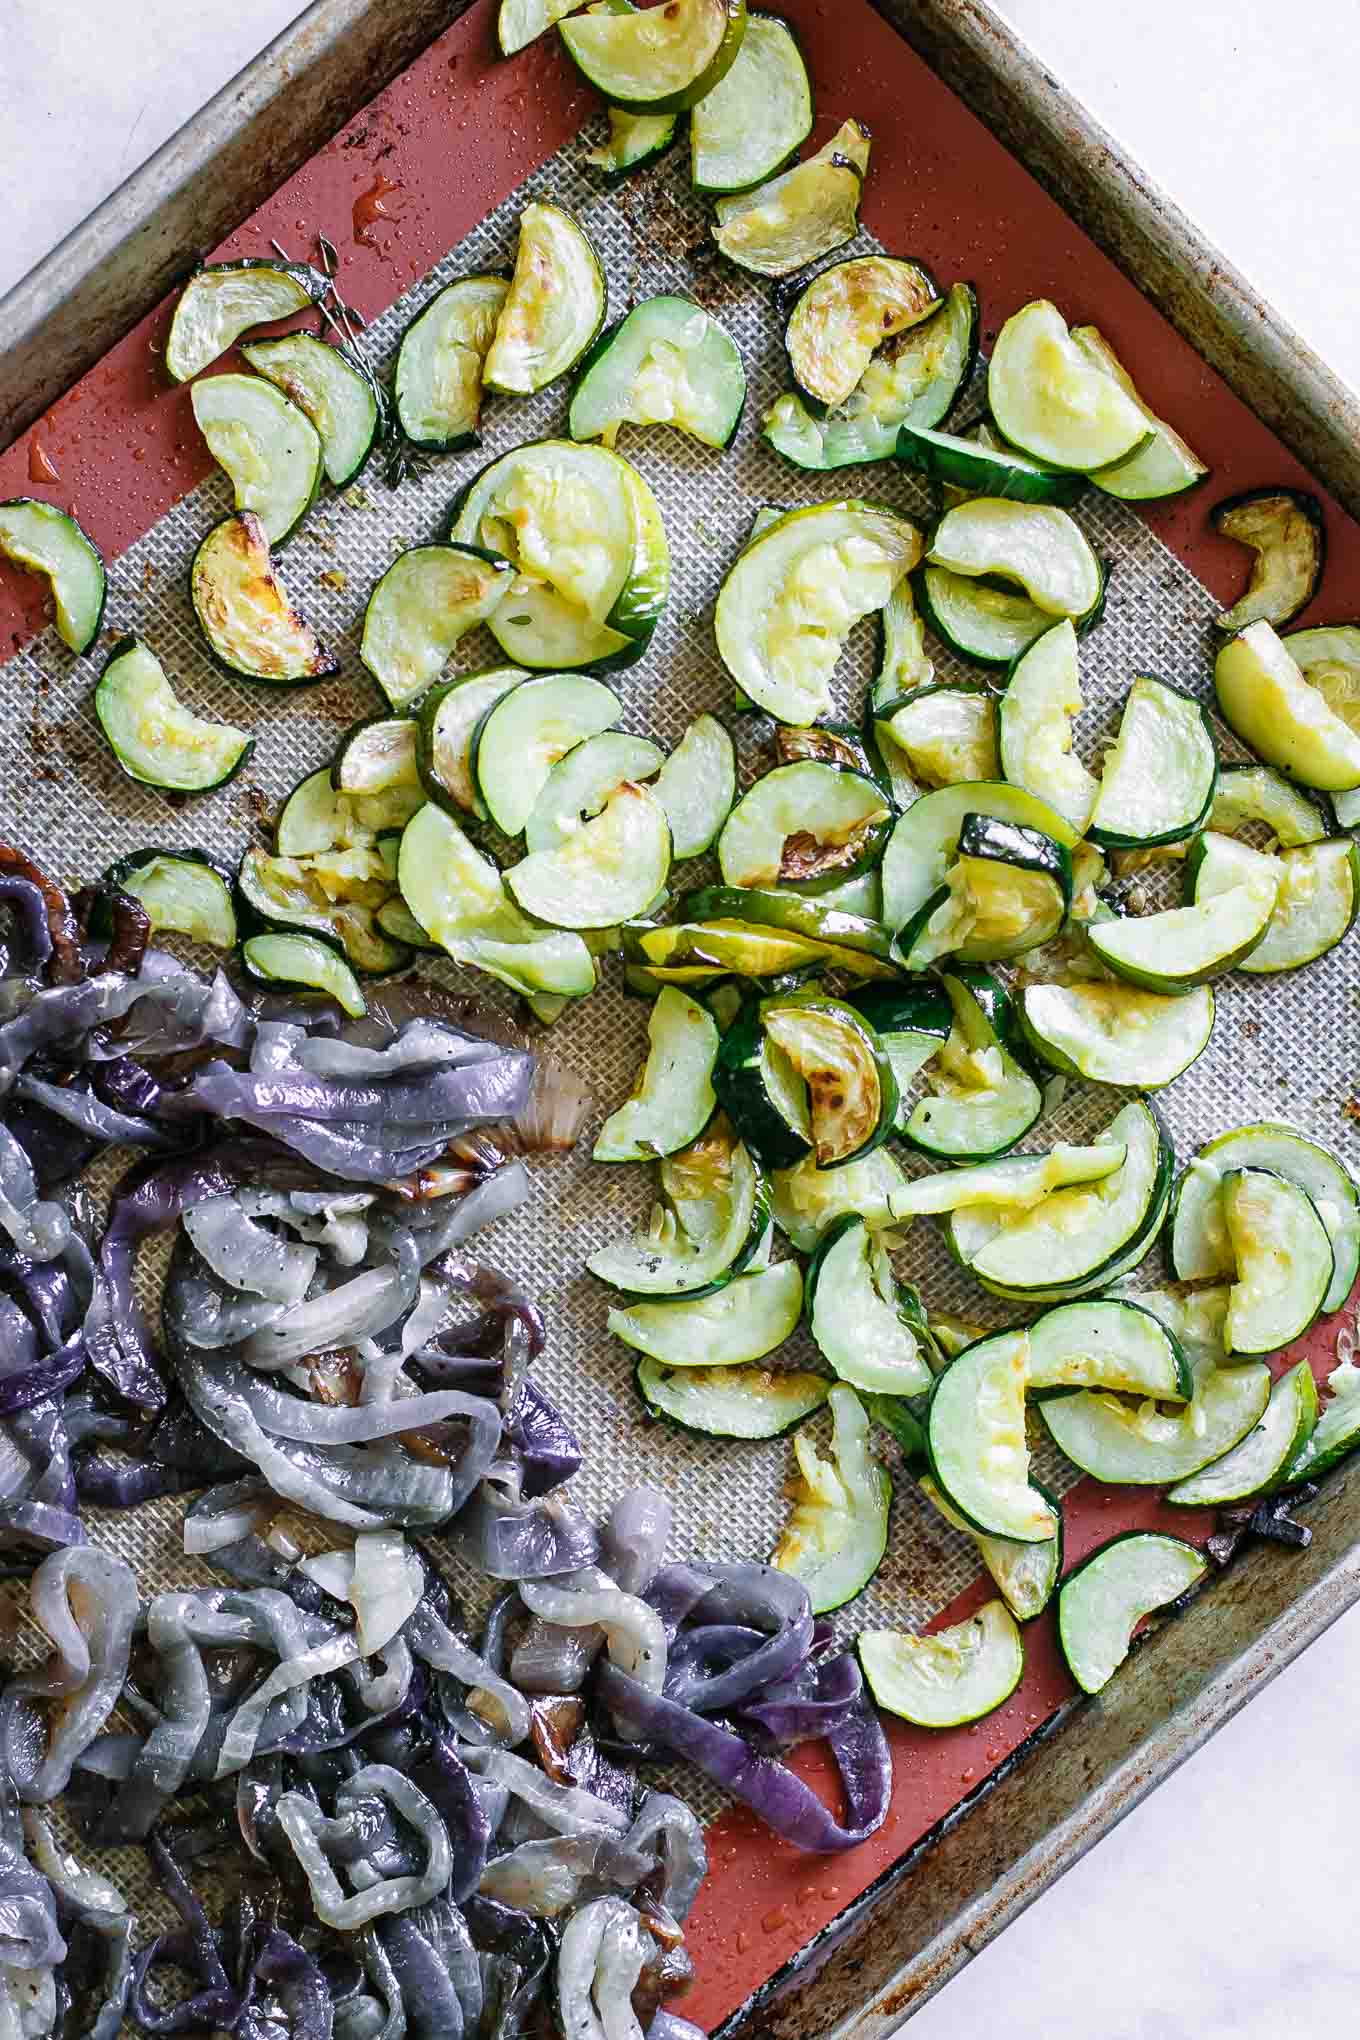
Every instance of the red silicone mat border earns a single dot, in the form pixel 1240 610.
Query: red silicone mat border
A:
pixel 455 134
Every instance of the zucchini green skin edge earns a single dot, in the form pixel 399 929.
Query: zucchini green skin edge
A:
pixel 77 638
pixel 815 1391
pixel 125 648
pixel 1077 1585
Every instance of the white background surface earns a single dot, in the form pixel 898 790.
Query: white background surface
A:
pixel 1222 1909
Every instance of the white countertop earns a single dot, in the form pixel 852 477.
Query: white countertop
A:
pixel 1205 1914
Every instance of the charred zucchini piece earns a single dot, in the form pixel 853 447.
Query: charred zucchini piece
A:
pixel 947 734
pixel 747 126
pixel 221 302
pixel 1166 466
pixel 808 824
pixel 851 1089
pixel 429 599
pixel 459 898
pixel 1285 718
pixel 802 215
pixel 1050 400
pixel 794 595
pixel 376 755
pixel 245 615
pixel 269 450
pixel 185 892
pixel 635 140
pixel 914 380
pixel 657 62
pixel 153 736
pixel 1286 531
pixel 306 962
pixel 762 1093
pixel 667 363
pixel 845 315
pixel 445 728
pixel 438 386
pixel 48 541
pixel 584 534
pixel 555 305
pixel 336 391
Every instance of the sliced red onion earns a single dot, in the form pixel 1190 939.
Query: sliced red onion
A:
pixel 446 1781
pixel 634 1538
pixel 665 1836
pixel 385 1585
pixel 45 911
pixel 753 1597
pixel 603 1950
pixel 356 1310
pixel 549 1451
pixel 666 2026
pixel 493 1698
pixel 26 899
pixel 514 1540
pixel 332 1220
pixel 427 1990
pixel 38 1227
pixel 287 1679
pixel 46 1290
pixel 308 1832
pixel 468 1095
pixel 419 1045
pixel 247 1257
pixel 818 1698
pixel 86 1602
pixel 768 1787
pixel 634 1633
pixel 295 1978
pixel 543 1878
pixel 566 1809
pixel 91 1116
pixel 199 1310
pixel 216 2003
pixel 29 1935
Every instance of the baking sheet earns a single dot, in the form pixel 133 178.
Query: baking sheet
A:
pixel 59 791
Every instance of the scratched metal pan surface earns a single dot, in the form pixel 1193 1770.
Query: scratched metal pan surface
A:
pixel 438 166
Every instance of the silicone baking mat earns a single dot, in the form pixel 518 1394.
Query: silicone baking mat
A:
pixel 426 184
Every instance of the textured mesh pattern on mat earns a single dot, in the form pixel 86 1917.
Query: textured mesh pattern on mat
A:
pixel 1272 1052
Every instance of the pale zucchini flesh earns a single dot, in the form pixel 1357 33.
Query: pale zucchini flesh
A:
pixel 155 739
pixel 579 785
pixel 798 217
pixel 1282 1260
pixel 1188 946
pixel 1139 1444
pixel 1256 1463
pixel 697 786
pixel 268 448
pixel 1199 1244
pixel 1051 401
pixel 863 1326
pixel 1164 467
pixel 1284 717
pixel 991 626
pixel 438 384
pixel 1043 695
pixel 657 61
pixel 731 1402
pixel 746 127
pixel 1108 1343
pixel 1101 1604
pixel 446 724
pixel 924 843
pixel 976 1439
pixel 1114 1033
pixel 47 541
pixel 1010 1184
pixel 947 734
pixel 1026 1573
pixel 837 1530
pixel 1317 904
pixel 947 1676
pixel 1036 545
pixel 1257 793
pixel 846 314
pixel 669 362
pixel 428 600
pixel 805 1200
pixel 342 401
pixel 733 1327
pixel 526 732
pixel 800 824
pixel 224 300
pixel 1159 778
pixel 554 307
pixel 711 1220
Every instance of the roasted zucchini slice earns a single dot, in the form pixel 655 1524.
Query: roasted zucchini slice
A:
pixel 244 613
pixel 987 625
pixel 579 786
pixel 184 892
pixel 335 899
pixel 903 662
pixel 336 391
pixel 924 843
pixel 948 1676
pixel 733 1327
pixel 224 300
pixel 867 1325
pixel 1034 545
pixel 1143 1444
pixel 153 736
pixel 762 1093
pixel 1116 1033
pixel 947 734
pixel 1111 1344
pixel 913 380
pixel 837 1530
pixel 376 755
pixel 657 62
pixel 1159 777
pixel 981 1100
pixel 427 601
pixel 1101 1604
pixel 805 1200
pixel 635 140
pixel 446 725
pixel 1265 1454
pixel 667 363
pixel 555 305
pixel 1199 1244
pixel 438 384
pixel 306 962
pixel 851 1089
pixel 1284 717
pixel 1187 946
pixel 1050 400
pixel 984 470
pixel 1043 695
pixel 731 1402
pixel 1282 1260
pixel 975 1435
pixel 808 824
pixel 583 532
pixel 1008 891
pixel 697 786
pixel 1257 793
pixel 1329 659
pixel 1286 531
pixel 459 898
pixel 269 450
pixel 913 1022
pixel 521 22
pixel 1315 907
pixel 1166 466
pixel 802 215
pixel 672 1099
pixel 808 916
pixel 712 1217
pixel 698 952
pixel 609 869
pixel 526 731
pixel 48 541
pixel 982 1197
pixel 752 121
pixel 789 603
pixel 841 319
pixel 1027 1574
